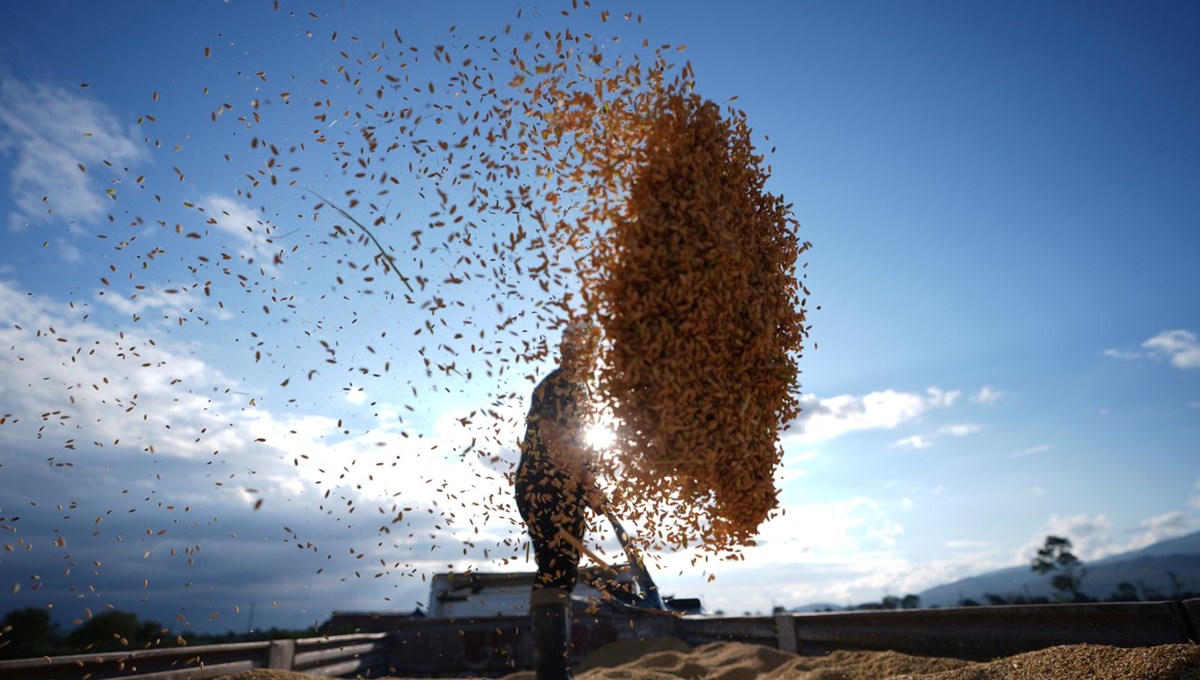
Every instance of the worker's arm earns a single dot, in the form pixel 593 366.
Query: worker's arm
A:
pixel 565 445
pixel 567 448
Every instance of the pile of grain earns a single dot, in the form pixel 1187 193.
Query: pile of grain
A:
pixel 738 661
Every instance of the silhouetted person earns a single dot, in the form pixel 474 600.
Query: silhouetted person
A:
pixel 554 489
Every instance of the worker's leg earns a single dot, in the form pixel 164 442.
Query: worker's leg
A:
pixel 557 571
pixel 550 619
pixel 549 506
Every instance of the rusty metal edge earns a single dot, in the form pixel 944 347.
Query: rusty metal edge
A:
pixel 981 633
pixel 1191 615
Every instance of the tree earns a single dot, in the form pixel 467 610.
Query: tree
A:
pixel 995 600
pixel 1067 570
pixel 28 633
pixel 114 631
pixel 910 602
pixel 1125 592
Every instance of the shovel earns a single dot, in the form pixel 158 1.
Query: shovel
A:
pixel 650 596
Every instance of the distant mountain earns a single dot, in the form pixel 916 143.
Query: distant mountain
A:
pixel 1149 570
pixel 1188 544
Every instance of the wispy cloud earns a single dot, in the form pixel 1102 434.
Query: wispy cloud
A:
pixel 1194 501
pixel 960 429
pixel 915 441
pixel 832 417
pixel 1031 451
pixel 924 441
pixel 959 544
pixel 988 396
pixel 1123 354
pixel 61 140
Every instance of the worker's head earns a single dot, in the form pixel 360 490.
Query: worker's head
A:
pixel 577 351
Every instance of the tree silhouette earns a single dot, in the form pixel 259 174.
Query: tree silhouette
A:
pixel 1125 592
pixel 115 631
pixel 28 632
pixel 1067 570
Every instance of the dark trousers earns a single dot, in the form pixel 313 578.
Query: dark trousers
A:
pixel 550 503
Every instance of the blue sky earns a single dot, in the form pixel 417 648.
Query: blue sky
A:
pixel 1003 201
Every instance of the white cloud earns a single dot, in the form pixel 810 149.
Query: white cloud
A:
pixel 69 252
pixel 886 533
pixel 121 395
pixel 916 441
pixel 791 467
pixel 849 578
pixel 988 396
pixel 1032 450
pixel 1194 501
pixel 815 533
pixel 960 429
pixel 114 422
pixel 1160 528
pixel 52 131
pixel 825 419
pixel 1179 346
pixel 924 441
pixel 169 304
pixel 1089 536
pixel 248 228
pixel 958 544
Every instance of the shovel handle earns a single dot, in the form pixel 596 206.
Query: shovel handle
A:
pixel 650 594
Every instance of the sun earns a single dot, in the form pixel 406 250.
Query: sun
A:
pixel 602 434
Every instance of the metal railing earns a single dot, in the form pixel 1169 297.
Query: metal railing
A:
pixel 341 655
